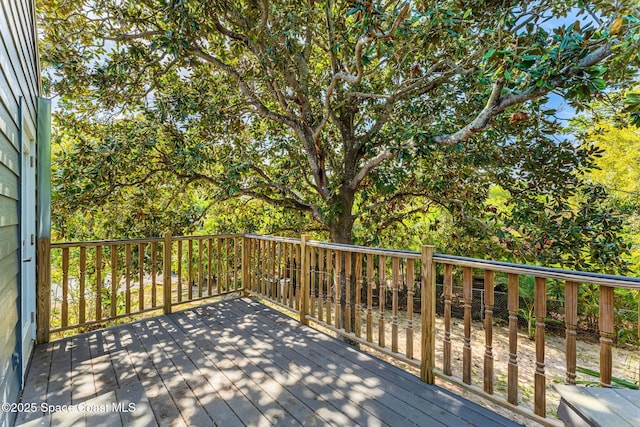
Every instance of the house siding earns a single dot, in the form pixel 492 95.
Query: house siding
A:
pixel 19 77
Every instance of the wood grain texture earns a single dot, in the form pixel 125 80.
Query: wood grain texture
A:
pixel 606 335
pixel 512 370
pixel 236 362
pixel 448 291
pixel 467 294
pixel 489 279
pixel 540 301
pixel 570 321
pixel 428 314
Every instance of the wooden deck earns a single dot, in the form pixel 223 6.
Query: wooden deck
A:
pixel 229 363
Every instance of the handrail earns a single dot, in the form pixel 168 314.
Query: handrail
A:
pixel 99 281
pixel 108 242
pixel 539 271
pixel 501 266
pixel 88 243
pixel 273 238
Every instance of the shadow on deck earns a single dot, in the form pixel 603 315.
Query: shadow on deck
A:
pixel 233 362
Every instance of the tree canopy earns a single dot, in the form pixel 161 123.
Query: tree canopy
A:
pixel 355 113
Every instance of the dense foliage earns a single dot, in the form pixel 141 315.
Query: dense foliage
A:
pixel 363 117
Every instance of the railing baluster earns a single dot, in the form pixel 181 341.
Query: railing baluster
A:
pixel 190 269
pixel 322 279
pixel 330 273
pixel 540 302
pixel 227 266
pixel 273 272
pixel 236 262
pixel 410 292
pixel 370 278
pixel 283 284
pixel 167 251
pixel 127 262
pixel 245 266
pixel 154 273
pixel 179 270
pixel 200 267
pixel 358 278
pixel 291 268
pixel 428 315
pixel 606 335
pixel 82 315
pixel 312 282
pixel 448 290
pixel 98 282
pixel 467 289
pixel 382 267
pixel 488 330
pixel 571 321
pixel 114 280
pixel 255 252
pixel 210 267
pixel 140 276
pixel 263 267
pixel 338 285
pixel 395 278
pixel 304 280
pixel 512 370
pixel 65 287
pixel 296 290
pixel 347 288
pixel 219 263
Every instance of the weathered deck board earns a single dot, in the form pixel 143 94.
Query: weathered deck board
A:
pixel 402 389
pixel 594 406
pixel 233 362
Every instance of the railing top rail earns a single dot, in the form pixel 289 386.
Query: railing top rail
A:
pixel 87 243
pixel 546 272
pixel 207 236
pixel 273 238
pixel 135 241
pixel 504 267
pixel 499 266
pixel 364 249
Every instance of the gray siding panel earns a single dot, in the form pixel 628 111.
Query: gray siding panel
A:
pixel 11 61
pixel 18 79
pixel 8 152
pixel 8 218
pixel 9 267
pixel 8 183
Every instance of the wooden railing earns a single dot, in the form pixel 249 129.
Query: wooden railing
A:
pixel 92 283
pixel 381 298
pixel 362 293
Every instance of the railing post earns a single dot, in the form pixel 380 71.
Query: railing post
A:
pixel 428 315
pixel 246 264
pixel 304 281
pixel 606 335
pixel 44 290
pixel 166 276
pixel 540 381
pixel 571 322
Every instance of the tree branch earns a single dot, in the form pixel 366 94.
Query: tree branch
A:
pixel 282 188
pixel 246 90
pixel 495 105
pixel 351 78
pixel 369 166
